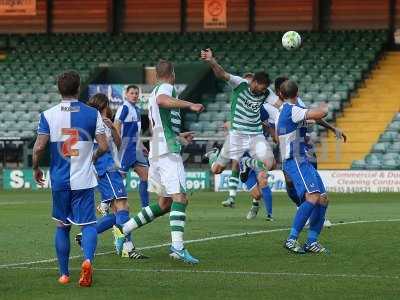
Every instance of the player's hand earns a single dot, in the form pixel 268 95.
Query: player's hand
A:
pixel 108 123
pixel 206 54
pixel 186 137
pixel 38 174
pixel 340 135
pixel 196 107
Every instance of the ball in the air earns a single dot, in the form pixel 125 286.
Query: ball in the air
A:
pixel 291 40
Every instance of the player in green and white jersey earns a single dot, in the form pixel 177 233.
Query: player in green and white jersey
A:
pixel 246 131
pixel 166 173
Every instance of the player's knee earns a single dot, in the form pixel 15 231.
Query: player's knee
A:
pixel 323 199
pixel 262 179
pixel 217 168
pixel 121 204
pixel 313 198
pixel 255 193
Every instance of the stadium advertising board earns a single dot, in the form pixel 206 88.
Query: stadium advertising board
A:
pixel 341 181
pixel 18 8
pixel 23 179
pixel 214 14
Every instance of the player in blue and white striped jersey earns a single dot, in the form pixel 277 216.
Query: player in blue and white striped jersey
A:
pixel 110 182
pixel 291 128
pixel 71 127
pixel 132 153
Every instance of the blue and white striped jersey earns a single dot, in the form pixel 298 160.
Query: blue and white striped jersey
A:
pixel 129 116
pixel 72 126
pixel 291 129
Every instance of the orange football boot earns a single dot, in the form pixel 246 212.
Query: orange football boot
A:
pixel 86 274
pixel 64 279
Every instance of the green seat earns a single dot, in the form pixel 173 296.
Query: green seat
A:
pixel 394 148
pixel 197 127
pixel 394 126
pixel 379 148
pixel 388 136
pixel 358 165
pixel 205 117
pixel 213 107
pixel 391 164
pixel 191 117
pixel 222 97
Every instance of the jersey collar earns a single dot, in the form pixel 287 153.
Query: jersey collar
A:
pixel 69 100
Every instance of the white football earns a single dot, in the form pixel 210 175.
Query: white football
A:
pixel 291 40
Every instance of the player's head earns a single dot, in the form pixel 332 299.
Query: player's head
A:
pixel 69 84
pixel 278 82
pixel 260 83
pixel 132 93
pixel 248 76
pixel 165 71
pixel 289 90
pixel 100 102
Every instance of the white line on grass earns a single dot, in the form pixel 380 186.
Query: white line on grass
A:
pixel 211 238
pixel 288 274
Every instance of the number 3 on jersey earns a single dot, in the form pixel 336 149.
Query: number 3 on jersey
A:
pixel 73 139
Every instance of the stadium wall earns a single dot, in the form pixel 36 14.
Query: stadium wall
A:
pixel 26 24
pixel 187 16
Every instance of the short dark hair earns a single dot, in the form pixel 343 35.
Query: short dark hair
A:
pixel 99 101
pixel 289 89
pixel 164 68
pixel 68 83
pixel 262 78
pixel 248 75
pixel 278 82
pixel 132 86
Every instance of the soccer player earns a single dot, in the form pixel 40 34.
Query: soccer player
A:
pixel 233 180
pixel 132 152
pixel 291 130
pixel 310 149
pixel 166 173
pixel 71 127
pixel 110 182
pixel 246 128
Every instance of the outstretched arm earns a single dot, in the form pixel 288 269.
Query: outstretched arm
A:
pixel 168 102
pixel 339 133
pixel 219 72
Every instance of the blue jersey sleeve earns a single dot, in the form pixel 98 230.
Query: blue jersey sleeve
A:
pixel 264 115
pixel 122 113
pixel 43 127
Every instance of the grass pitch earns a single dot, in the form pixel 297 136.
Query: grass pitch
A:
pixel 363 264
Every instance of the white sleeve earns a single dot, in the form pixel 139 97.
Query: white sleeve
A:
pixel 100 129
pixel 165 89
pixel 234 81
pixel 300 102
pixel 298 114
pixel 272 97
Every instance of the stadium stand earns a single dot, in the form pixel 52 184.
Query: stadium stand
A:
pixel 344 59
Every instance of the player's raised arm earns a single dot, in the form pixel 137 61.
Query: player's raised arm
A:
pixel 219 72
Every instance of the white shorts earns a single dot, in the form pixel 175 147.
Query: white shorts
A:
pixel 167 175
pixel 256 145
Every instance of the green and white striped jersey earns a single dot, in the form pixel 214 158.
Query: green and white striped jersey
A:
pixel 245 107
pixel 165 123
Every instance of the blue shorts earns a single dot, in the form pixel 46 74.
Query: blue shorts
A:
pixel 111 186
pixel 130 160
pixel 251 180
pixel 74 207
pixel 304 176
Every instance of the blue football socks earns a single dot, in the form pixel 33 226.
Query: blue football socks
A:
pixel 62 244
